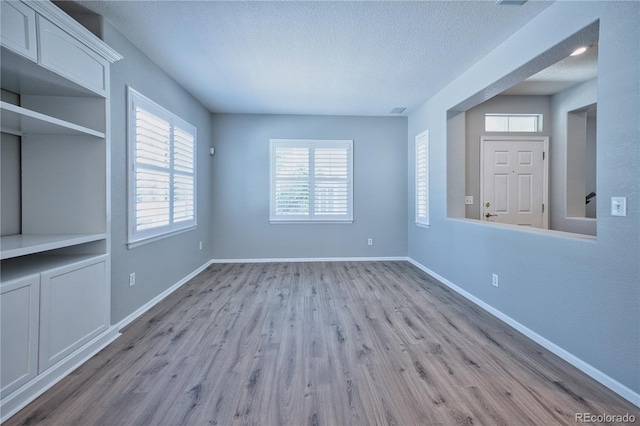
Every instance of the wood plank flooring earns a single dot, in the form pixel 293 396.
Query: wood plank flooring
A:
pixel 327 343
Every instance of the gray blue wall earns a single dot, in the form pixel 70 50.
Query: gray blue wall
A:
pixel 160 264
pixel 568 100
pixel 591 162
pixel 581 295
pixel 10 178
pixel 240 210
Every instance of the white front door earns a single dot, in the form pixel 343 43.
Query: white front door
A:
pixel 513 173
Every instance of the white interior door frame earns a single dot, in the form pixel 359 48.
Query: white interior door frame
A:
pixel 545 170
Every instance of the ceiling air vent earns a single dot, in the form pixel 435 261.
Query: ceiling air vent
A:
pixel 512 2
pixel 398 110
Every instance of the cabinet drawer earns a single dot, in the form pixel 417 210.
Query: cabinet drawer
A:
pixel 74 303
pixel 19 312
pixel 19 29
pixel 67 56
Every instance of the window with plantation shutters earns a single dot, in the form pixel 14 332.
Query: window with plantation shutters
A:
pixel 311 180
pixel 422 179
pixel 162 154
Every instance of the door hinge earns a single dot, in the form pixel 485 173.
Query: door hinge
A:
pixel 543 208
pixel 543 155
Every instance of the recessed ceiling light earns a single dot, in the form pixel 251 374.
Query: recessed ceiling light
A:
pixel 579 51
pixel 398 110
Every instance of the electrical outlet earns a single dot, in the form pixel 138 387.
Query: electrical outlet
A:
pixel 132 279
pixel 200 245
pixel 495 280
pixel 370 242
pixel 468 199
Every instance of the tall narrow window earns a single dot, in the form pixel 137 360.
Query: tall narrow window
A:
pixel 422 178
pixel 162 179
pixel 311 180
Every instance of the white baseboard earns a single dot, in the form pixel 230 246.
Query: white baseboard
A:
pixel 313 259
pixel 151 303
pixel 21 397
pixel 586 368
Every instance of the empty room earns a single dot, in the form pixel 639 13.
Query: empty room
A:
pixel 319 212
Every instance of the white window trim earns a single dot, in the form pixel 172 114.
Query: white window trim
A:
pixel 422 139
pixel 311 218
pixel 138 238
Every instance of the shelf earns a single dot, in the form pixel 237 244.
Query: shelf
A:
pixel 24 244
pixel 21 121
pixel 24 266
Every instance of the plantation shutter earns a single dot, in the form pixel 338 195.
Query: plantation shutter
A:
pixel 183 178
pixel 162 185
pixel 422 179
pixel 291 181
pixel 331 184
pixel 311 180
pixel 153 171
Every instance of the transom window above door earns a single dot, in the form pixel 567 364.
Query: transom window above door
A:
pixel 529 123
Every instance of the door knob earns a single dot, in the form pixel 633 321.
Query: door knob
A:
pixel 488 215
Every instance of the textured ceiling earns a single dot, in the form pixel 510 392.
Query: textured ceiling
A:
pixel 339 58
pixel 560 76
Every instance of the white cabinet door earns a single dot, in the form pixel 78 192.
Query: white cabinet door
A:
pixel 67 56
pixel 19 29
pixel 19 302
pixel 74 308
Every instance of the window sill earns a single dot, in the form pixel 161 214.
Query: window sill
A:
pixel 149 240
pixel 422 225
pixel 529 230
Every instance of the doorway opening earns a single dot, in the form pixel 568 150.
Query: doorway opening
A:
pixel 552 100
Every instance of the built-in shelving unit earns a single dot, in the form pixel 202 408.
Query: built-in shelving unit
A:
pixel 55 283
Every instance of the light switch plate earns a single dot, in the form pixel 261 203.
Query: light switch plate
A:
pixel 618 206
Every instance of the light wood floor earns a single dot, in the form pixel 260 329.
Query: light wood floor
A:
pixel 342 343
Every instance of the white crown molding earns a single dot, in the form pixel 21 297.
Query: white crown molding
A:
pixel 54 14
